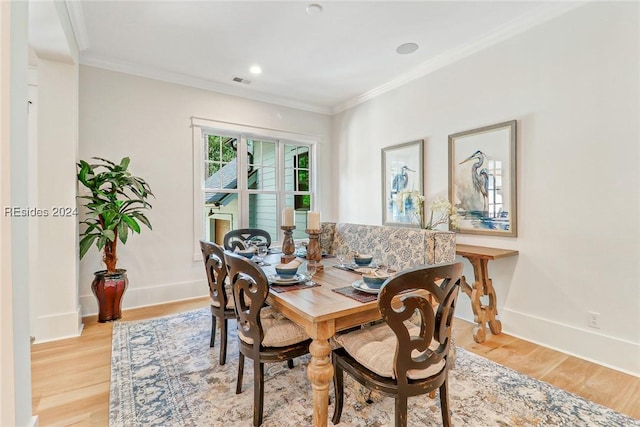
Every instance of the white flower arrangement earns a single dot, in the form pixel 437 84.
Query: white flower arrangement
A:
pixel 441 211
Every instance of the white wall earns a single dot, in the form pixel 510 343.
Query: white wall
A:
pixel 149 121
pixel 572 84
pixel 15 357
pixel 55 293
pixel 7 348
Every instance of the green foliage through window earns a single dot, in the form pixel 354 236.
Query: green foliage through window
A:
pixel 302 201
pixel 220 151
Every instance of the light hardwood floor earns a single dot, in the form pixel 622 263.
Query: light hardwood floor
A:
pixel 70 378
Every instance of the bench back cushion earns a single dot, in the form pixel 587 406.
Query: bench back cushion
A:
pixel 396 247
pixel 441 246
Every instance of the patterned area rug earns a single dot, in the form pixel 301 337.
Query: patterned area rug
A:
pixel 163 373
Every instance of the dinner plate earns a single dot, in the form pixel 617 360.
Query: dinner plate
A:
pixel 361 268
pixel 286 281
pixel 365 270
pixel 361 286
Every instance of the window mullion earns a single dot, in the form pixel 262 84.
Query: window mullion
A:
pixel 312 167
pixel 243 196
pixel 281 198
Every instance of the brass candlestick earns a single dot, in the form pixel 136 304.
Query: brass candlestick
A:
pixel 313 248
pixel 288 246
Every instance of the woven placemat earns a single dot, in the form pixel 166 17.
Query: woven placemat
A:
pixel 351 292
pixel 287 288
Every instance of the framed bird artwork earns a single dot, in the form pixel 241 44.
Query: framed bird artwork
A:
pixel 482 179
pixel 402 178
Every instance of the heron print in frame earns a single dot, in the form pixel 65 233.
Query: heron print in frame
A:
pixel 482 179
pixel 401 174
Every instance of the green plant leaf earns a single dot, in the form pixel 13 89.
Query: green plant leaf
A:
pixel 123 232
pixel 109 234
pixel 131 223
pixel 116 202
pixel 124 163
pixel 86 243
pixel 143 219
pixel 104 160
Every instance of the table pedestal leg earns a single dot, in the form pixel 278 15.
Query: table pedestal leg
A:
pixel 320 373
pixel 482 314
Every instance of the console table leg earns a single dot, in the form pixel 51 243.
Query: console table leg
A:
pixel 492 309
pixel 482 286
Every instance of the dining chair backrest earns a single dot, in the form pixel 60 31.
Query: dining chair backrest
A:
pixel 398 308
pixel 265 335
pixel 214 264
pixel 408 354
pixel 221 301
pixel 236 238
pixel 250 290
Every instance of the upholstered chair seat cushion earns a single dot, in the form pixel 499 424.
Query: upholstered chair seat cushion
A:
pixel 374 347
pixel 278 330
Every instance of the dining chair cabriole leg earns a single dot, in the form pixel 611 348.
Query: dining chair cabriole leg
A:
pixel 240 372
pixel 223 341
pixel 444 404
pixel 401 411
pixel 258 393
pixel 338 385
pixel 213 331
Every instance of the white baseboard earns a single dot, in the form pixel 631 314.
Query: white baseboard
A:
pixel 58 326
pixel 151 295
pixel 612 352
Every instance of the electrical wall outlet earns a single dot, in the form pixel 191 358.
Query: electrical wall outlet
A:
pixel 593 320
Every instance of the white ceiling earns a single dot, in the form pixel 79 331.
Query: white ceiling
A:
pixel 322 62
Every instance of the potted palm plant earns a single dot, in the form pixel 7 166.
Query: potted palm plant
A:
pixel 115 207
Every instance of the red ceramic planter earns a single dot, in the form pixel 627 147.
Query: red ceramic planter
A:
pixel 109 289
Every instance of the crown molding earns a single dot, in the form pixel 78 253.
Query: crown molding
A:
pixel 190 81
pixel 451 56
pixel 76 16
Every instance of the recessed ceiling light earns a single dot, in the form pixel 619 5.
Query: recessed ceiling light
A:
pixel 255 69
pixel 406 48
pixel 314 9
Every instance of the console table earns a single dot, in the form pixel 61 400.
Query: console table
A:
pixel 479 257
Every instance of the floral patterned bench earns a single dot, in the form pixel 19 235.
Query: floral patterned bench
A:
pixel 396 247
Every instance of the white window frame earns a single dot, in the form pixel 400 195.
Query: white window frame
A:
pixel 201 127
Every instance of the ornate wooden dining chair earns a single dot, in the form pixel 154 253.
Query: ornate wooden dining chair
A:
pixel 265 335
pixel 219 292
pixel 236 238
pixel 400 357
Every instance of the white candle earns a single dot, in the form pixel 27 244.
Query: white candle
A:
pixel 287 217
pixel 313 220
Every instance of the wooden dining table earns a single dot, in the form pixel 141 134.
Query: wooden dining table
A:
pixel 323 312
